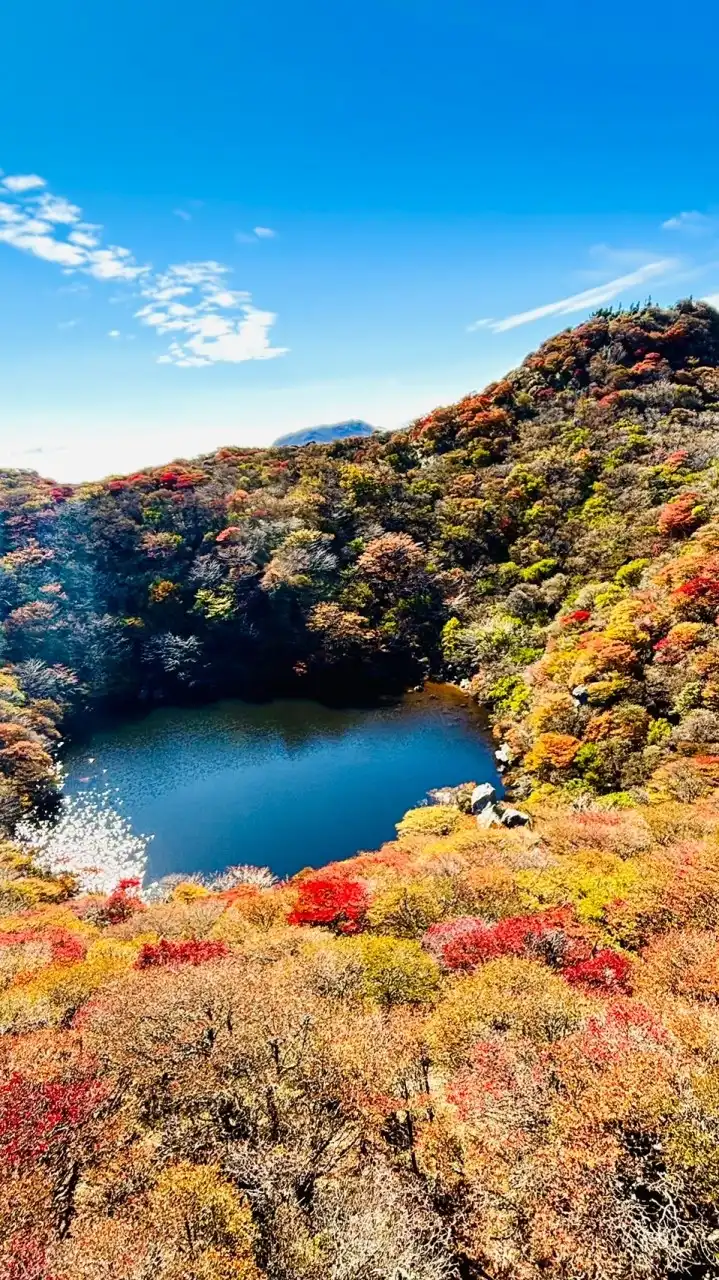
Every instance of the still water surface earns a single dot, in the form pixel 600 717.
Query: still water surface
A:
pixel 284 784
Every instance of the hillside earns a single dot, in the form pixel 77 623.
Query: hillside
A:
pixel 512 540
pixel 470 1054
pixel 325 435
pixel 475 1053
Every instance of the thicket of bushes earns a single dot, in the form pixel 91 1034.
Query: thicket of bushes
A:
pixel 472 1053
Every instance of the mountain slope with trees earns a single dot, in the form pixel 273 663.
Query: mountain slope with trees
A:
pixel 459 547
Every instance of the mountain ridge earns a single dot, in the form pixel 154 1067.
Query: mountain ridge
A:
pixel 350 429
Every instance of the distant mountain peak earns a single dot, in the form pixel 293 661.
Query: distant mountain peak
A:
pixel 326 434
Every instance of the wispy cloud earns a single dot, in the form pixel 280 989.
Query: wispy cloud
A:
pixel 258 233
pixel 68 324
pixel 209 322
pixel 51 228
pixel 23 182
pixel 183 214
pixel 712 299
pixel 588 298
pixel 692 222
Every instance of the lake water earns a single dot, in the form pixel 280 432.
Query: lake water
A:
pixel 284 784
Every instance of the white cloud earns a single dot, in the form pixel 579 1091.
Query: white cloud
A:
pixel 113 264
pixel 9 213
pixel 209 322
pixel 22 235
pixel 480 324
pixel 691 221
pixel 182 213
pixel 68 324
pixel 50 227
pixel 712 299
pixel 206 330
pixel 258 233
pixel 57 209
pixel 87 239
pixel 588 297
pixel 23 182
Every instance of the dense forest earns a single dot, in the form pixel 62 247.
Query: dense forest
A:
pixel 477 1052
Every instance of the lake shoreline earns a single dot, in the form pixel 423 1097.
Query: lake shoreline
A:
pixel 282 783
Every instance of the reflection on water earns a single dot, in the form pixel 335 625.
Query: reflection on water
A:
pixel 284 784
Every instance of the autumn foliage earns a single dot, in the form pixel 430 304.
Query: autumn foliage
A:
pixel 479 1052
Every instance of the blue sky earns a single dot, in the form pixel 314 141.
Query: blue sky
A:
pixel 225 221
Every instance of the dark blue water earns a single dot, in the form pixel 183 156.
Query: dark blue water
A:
pixel 284 784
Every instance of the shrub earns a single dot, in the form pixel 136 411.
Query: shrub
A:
pixel 605 971
pixel 430 820
pixel 165 952
pixel 396 971
pixel 331 901
pixel 552 751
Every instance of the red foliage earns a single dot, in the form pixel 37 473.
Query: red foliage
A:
pixel 329 900
pixel 65 947
pixel 679 516
pixel 605 971
pixel 121 904
pixel 36 1118
pixel 468 941
pixel 24 1259
pixel 178 478
pixel 578 616
pixel 699 588
pixel 193 951
pixel 229 532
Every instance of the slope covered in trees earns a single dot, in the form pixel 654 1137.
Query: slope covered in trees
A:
pixel 470 1054
pixel 538 513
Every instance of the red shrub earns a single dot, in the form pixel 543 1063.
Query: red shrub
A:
pixel 699 588
pixel 328 900
pixel 36 1118
pixel 577 617
pixel 121 904
pixel 24 1259
pixel 165 952
pixel 605 971
pixel 462 943
pixel 65 947
pixel 468 941
pixel 680 516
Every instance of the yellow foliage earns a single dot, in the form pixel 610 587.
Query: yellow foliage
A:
pixel 407 910
pixel 431 820
pixel 55 992
pixel 195 1206
pixel 394 970
pixel 189 891
pixel 515 996
pixel 589 880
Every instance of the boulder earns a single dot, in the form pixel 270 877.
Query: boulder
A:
pixel 581 695
pixel 482 796
pixel 488 817
pixel 515 818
